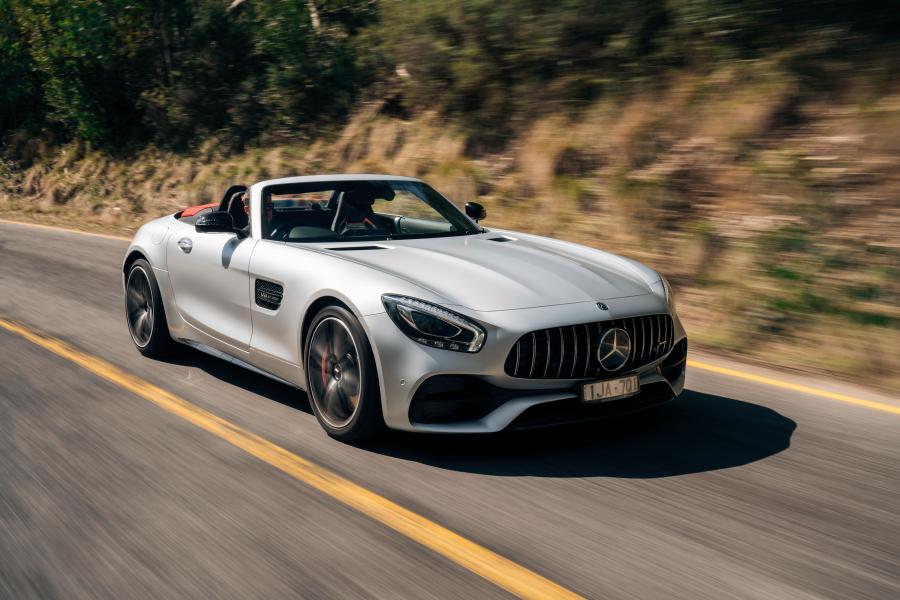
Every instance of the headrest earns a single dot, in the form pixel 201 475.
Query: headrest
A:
pixel 362 196
pixel 366 192
pixel 231 191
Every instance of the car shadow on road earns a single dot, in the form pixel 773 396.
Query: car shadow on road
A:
pixel 695 433
pixel 241 377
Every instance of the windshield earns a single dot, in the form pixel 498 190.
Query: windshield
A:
pixel 359 210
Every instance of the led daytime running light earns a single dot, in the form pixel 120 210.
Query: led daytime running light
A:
pixel 401 309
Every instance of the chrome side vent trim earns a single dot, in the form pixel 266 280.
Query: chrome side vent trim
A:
pixel 268 294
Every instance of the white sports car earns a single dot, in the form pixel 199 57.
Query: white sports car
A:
pixel 390 306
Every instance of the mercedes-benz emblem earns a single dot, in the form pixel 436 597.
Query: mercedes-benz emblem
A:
pixel 614 349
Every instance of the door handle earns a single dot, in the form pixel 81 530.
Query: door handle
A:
pixel 186 245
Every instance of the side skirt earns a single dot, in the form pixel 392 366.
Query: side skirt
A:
pixel 233 360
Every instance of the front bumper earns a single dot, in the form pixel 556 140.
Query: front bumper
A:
pixel 492 400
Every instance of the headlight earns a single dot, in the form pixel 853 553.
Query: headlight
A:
pixel 663 289
pixel 431 325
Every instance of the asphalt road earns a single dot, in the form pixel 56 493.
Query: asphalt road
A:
pixel 738 489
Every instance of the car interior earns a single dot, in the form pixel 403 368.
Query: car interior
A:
pixel 346 211
pixel 329 211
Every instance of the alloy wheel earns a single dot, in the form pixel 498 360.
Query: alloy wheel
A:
pixel 139 306
pixel 335 374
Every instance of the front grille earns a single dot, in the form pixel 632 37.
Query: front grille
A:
pixel 570 352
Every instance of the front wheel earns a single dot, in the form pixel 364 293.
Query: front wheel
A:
pixel 144 311
pixel 341 377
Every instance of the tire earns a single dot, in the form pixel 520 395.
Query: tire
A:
pixel 144 312
pixel 341 377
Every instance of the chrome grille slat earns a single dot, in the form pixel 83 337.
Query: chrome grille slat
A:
pixel 633 357
pixel 547 360
pixel 637 356
pixel 587 350
pixel 575 348
pixel 562 353
pixel 651 339
pixel 533 354
pixel 645 350
pixel 636 343
pixel 657 323
pixel 664 346
pixel 671 334
pixel 662 336
pixel 659 337
pixel 663 343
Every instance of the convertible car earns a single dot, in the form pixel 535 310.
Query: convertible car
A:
pixel 391 307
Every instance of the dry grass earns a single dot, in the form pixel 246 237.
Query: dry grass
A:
pixel 780 232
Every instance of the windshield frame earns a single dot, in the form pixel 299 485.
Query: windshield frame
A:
pixel 452 214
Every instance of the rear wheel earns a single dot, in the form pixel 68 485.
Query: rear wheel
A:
pixel 144 311
pixel 341 378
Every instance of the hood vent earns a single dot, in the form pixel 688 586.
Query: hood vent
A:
pixel 501 239
pixel 351 248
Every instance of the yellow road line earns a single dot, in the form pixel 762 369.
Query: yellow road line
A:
pixel 805 389
pixel 66 229
pixel 501 571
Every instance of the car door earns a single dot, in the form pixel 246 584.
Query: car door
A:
pixel 211 283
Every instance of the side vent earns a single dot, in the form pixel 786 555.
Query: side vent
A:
pixel 268 294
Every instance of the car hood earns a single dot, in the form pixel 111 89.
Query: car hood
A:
pixel 483 273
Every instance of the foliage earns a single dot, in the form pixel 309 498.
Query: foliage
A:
pixel 121 73
pixel 20 96
pixel 124 72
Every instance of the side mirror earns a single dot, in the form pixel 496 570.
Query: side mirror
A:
pixel 475 211
pixel 218 221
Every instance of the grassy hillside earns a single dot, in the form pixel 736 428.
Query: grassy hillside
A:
pixel 776 221
pixel 746 148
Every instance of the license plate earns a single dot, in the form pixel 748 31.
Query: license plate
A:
pixel 611 389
